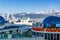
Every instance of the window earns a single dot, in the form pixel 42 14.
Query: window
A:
pixel 57 25
pixel 29 21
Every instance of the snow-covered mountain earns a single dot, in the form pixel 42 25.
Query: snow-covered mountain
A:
pixel 31 15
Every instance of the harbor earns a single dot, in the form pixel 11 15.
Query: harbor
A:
pixel 46 29
pixel 29 19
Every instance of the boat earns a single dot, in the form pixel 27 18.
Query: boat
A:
pixel 22 21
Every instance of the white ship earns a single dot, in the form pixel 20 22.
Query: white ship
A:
pixel 22 21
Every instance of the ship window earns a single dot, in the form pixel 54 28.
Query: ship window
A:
pixel 22 21
pixel 1 23
pixel 51 36
pixel 40 24
pixel 10 32
pixel 2 32
pixel 45 36
pixel 33 33
pixel 57 36
pixel 17 30
pixel 57 25
pixel 44 26
pixel 53 25
pixel 29 21
pixel 18 21
pixel 47 25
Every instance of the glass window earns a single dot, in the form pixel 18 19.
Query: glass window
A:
pixel 53 25
pixel 29 21
pixel 57 25
pixel 47 25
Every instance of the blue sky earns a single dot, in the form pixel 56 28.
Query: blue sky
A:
pixel 28 5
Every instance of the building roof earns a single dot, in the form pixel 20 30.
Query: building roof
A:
pixel 2 20
pixel 51 19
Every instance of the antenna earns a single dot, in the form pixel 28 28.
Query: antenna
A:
pixel 28 18
pixel 53 12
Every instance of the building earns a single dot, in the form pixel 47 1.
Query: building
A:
pixel 52 23
pixel 50 30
